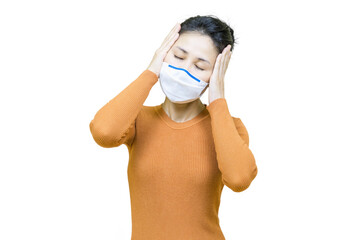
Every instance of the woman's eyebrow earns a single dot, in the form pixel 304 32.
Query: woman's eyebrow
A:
pixel 182 49
pixel 201 59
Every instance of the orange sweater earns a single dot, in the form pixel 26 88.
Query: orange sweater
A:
pixel 176 171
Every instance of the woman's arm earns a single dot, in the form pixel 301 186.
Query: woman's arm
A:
pixel 114 123
pixel 235 160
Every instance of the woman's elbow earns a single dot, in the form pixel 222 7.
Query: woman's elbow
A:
pixel 242 182
pixel 101 136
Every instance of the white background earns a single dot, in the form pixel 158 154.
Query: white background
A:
pixel 293 80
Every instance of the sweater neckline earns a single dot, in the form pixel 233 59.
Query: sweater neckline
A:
pixel 179 125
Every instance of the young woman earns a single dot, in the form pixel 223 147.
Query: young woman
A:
pixel 181 152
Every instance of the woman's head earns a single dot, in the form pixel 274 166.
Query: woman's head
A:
pixel 221 33
pixel 201 39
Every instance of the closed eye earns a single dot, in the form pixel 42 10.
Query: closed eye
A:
pixel 199 68
pixel 178 57
pixel 183 59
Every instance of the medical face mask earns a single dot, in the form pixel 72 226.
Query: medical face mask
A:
pixel 179 85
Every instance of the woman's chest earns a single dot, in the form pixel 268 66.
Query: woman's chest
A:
pixel 174 155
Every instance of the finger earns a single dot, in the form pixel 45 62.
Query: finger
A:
pixel 225 59
pixel 228 60
pixel 170 38
pixel 224 53
pixel 226 48
pixel 173 31
pixel 216 67
pixel 218 61
pixel 171 42
pixel 221 65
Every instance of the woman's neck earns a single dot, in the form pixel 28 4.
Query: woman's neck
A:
pixel 182 112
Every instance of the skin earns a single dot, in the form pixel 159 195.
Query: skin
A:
pixel 196 53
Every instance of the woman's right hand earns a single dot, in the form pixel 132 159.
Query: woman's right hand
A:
pixel 160 54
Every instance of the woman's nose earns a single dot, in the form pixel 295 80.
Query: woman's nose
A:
pixel 186 65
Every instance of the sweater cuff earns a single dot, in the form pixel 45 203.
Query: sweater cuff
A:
pixel 151 76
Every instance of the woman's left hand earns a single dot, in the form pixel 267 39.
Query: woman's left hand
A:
pixel 216 84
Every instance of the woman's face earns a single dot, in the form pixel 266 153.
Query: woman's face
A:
pixel 194 52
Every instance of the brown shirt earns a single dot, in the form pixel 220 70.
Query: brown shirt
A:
pixel 176 171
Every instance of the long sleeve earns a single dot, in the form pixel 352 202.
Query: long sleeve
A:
pixel 114 123
pixel 235 160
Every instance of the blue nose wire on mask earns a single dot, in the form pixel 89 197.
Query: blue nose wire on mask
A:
pixel 182 69
pixel 180 85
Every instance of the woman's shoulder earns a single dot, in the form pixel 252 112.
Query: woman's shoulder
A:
pixel 153 108
pixel 148 111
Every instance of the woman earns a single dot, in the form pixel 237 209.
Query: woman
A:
pixel 181 152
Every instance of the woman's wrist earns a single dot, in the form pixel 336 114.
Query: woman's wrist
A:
pixel 150 69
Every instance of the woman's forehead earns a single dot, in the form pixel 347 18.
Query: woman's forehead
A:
pixel 196 44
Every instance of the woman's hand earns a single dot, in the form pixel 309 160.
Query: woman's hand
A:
pixel 160 54
pixel 216 84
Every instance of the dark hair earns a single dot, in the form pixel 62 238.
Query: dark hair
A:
pixel 220 32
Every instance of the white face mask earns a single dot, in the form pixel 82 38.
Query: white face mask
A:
pixel 179 85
